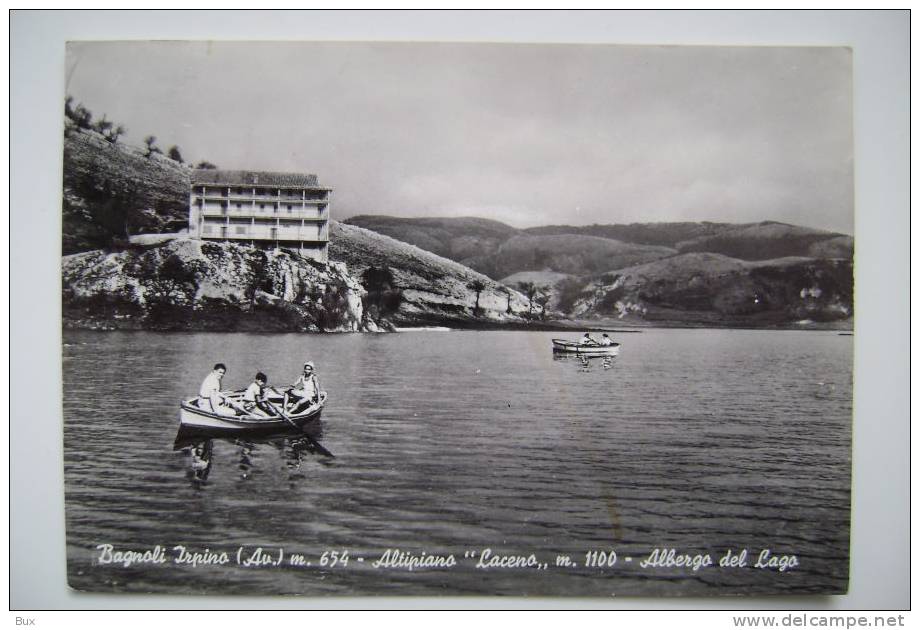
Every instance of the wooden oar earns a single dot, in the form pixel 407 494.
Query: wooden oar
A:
pixel 236 406
pixel 322 450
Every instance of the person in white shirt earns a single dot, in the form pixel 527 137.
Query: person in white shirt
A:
pixel 588 340
pixel 209 396
pixel 304 391
pixel 606 341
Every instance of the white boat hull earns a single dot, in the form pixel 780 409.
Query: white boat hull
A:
pixel 193 419
pixel 575 348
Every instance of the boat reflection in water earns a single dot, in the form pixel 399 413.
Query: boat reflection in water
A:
pixel 584 363
pixel 198 460
pixel 294 446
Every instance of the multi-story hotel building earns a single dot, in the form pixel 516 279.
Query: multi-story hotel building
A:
pixel 261 209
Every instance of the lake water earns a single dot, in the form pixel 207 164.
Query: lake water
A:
pixel 454 442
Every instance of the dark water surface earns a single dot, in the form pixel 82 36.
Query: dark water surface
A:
pixel 451 442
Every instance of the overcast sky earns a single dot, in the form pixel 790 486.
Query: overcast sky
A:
pixel 524 134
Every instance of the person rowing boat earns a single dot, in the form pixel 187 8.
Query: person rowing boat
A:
pixel 254 396
pixel 210 397
pixel 304 392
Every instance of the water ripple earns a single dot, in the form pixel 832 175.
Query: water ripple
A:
pixel 698 440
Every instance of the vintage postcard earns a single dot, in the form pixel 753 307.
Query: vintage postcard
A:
pixel 445 319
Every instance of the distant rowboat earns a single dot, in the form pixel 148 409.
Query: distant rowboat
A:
pixel 585 350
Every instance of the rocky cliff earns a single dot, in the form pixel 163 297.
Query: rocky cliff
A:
pixel 432 289
pixel 713 289
pixel 184 284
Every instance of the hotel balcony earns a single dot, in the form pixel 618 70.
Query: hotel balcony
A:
pixel 297 211
pixel 259 233
pixel 264 198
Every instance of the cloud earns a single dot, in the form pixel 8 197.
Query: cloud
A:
pixel 531 134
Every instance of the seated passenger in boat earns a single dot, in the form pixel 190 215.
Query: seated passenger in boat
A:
pixel 254 396
pixel 606 341
pixel 588 340
pixel 304 392
pixel 209 396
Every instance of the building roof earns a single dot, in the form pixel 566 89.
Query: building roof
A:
pixel 254 178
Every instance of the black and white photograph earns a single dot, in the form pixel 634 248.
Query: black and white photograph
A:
pixel 441 319
pixel 465 309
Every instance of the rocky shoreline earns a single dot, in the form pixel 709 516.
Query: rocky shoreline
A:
pixel 182 284
pixel 257 323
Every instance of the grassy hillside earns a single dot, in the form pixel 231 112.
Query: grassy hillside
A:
pixel 754 274
pixel 498 250
pixel 434 289
pixel 661 234
pixel 570 254
pixel 768 240
pixel 708 288
pixel 747 241
pixel 538 278
pixel 470 241
pixel 113 190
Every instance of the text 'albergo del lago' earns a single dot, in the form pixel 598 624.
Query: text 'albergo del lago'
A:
pixel 398 559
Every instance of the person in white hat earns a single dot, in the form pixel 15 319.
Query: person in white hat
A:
pixel 304 391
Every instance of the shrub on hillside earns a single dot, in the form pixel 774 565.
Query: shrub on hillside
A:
pixel 330 307
pixel 569 291
pixel 152 148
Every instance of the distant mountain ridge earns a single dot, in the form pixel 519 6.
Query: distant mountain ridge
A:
pixel 499 250
pixel 760 274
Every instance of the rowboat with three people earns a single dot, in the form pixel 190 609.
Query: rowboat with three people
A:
pixel 583 349
pixel 264 419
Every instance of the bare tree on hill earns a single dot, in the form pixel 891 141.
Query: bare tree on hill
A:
pixel 508 297
pixel 113 134
pixel 478 286
pixel 530 290
pixel 542 299
pixel 103 126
